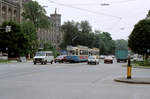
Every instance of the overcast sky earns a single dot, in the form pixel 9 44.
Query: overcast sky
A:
pixel 118 18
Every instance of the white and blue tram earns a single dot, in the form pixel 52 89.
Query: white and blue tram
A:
pixel 80 53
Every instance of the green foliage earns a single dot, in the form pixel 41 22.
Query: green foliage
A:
pixel 85 27
pixel 81 34
pixel 36 14
pixel 142 63
pixel 145 63
pixel 107 45
pixel 21 40
pixel 11 40
pixel 29 41
pixel 3 61
pixel 121 44
pixel 49 47
pixel 148 15
pixel 139 39
pixel 77 34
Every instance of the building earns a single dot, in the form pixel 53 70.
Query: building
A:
pixel 54 33
pixel 11 10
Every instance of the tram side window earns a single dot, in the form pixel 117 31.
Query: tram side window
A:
pixel 76 51
pixel 80 52
pixel 73 52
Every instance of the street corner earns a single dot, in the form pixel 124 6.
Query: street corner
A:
pixel 137 80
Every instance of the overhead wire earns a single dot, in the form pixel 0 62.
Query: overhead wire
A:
pixel 82 9
pixel 92 4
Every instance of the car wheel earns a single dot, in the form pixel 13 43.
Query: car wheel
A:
pixel 51 62
pixel 34 63
pixel 45 62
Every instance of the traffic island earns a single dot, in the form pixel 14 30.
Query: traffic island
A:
pixel 133 80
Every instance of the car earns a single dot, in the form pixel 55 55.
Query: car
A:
pixel 61 58
pixel 43 57
pixel 102 56
pixel 108 59
pixel 93 59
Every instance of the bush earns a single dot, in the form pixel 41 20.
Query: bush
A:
pixel 142 63
pixel 145 63
pixel 3 61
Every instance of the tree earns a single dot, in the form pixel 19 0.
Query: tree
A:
pixel 48 46
pixel 121 44
pixel 29 40
pixel 11 40
pixel 71 32
pixel 107 45
pixel 85 27
pixel 77 34
pixel 139 40
pixel 81 34
pixel 20 41
pixel 36 14
pixel 148 15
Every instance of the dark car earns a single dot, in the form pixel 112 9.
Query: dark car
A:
pixel 61 58
pixel 108 59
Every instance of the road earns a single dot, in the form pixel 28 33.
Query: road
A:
pixel 69 81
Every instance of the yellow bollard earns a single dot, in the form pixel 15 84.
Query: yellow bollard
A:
pixel 129 68
pixel 128 72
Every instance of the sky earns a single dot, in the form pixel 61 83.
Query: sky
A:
pixel 118 18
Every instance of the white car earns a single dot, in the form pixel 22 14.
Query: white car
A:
pixel 93 59
pixel 43 57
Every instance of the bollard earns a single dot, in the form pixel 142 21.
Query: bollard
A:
pixel 129 68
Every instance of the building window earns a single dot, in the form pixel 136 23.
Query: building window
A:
pixel 4 12
pixel 9 14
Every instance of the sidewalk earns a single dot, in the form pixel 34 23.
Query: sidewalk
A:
pixel 133 80
pixel 142 67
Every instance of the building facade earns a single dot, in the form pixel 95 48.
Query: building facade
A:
pixel 54 33
pixel 11 10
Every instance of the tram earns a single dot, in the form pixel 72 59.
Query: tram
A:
pixel 80 53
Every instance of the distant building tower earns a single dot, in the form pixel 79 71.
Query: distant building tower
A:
pixel 56 25
pixel 53 33
pixel 56 19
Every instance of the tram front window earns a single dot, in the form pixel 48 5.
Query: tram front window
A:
pixel 72 52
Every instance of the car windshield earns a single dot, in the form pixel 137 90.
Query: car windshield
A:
pixel 108 57
pixel 59 56
pixel 91 57
pixel 40 54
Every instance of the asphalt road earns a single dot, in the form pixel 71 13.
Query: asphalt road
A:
pixel 69 81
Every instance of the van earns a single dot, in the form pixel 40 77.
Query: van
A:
pixel 43 57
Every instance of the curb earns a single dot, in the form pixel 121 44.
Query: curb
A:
pixel 142 67
pixel 133 80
